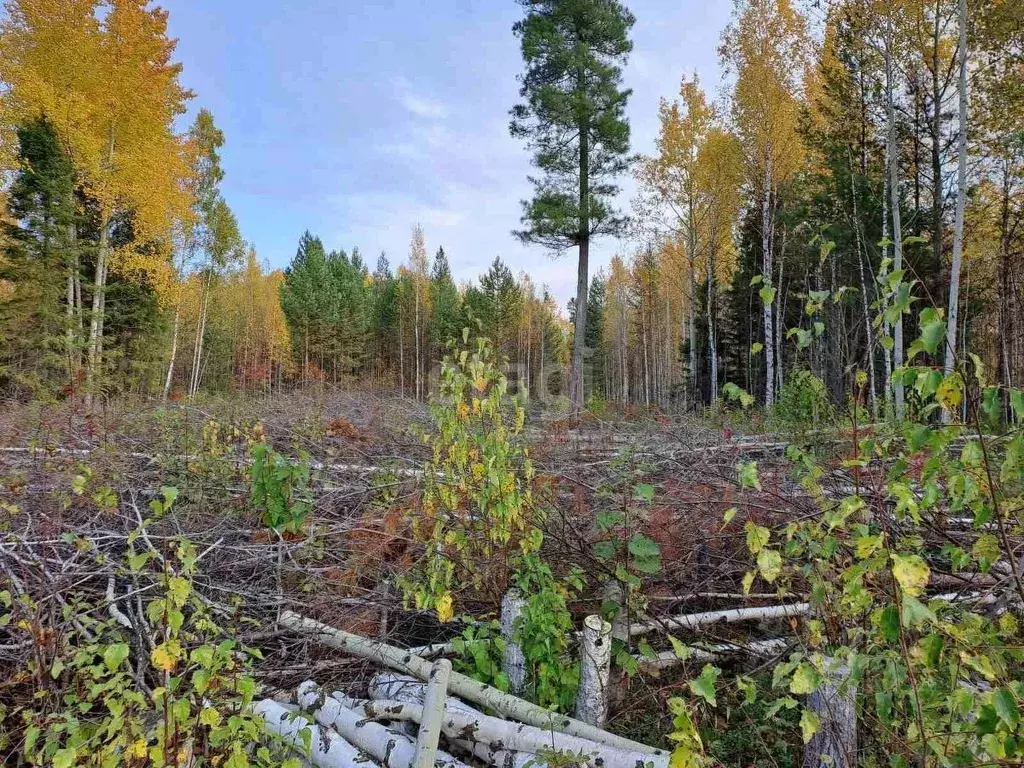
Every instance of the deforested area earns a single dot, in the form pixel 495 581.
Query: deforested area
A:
pixel 736 480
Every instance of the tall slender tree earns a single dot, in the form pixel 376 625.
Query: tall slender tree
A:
pixel 573 118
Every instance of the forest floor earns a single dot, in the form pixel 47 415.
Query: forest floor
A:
pixel 74 489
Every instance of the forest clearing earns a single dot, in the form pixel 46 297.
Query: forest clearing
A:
pixel 739 483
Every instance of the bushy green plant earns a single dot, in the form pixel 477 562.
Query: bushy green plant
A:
pixel 803 403
pixel 279 488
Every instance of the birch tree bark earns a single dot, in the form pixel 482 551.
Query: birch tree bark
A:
pixel 961 195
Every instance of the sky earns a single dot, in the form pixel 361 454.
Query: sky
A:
pixel 358 120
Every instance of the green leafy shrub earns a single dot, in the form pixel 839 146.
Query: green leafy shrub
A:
pixel 803 403
pixel 279 488
pixel 103 698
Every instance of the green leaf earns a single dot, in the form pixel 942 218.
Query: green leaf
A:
pixel 757 537
pixel 748 581
pixel 756 280
pixel 806 679
pixel 748 475
pixel 1006 707
pixel 727 518
pixel 64 758
pixel 756 347
pixel 809 724
pixel 644 491
pixel 681 650
pixel 915 612
pixel 114 655
pixel 647 652
pixel 769 563
pixel 57 668
pixel 933 329
pixel 767 295
pixel 704 686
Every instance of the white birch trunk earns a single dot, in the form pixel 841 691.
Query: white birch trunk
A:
pixel 392 749
pixel 595 664
pixel 174 353
pixel 766 308
pixel 961 196
pixel 727 616
pixel 458 724
pixel 433 712
pixel 513 661
pixel 460 685
pixel 329 750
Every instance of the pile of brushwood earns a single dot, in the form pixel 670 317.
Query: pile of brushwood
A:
pixel 605 592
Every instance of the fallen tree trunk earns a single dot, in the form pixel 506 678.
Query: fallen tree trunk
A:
pixel 433 712
pixel 508 735
pixel 713 653
pixel 460 685
pixel 392 749
pixel 327 748
pixel 727 616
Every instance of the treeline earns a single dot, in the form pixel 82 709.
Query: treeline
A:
pixel 857 150
pixel 859 155
pixel 392 327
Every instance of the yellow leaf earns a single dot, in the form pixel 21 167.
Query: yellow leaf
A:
pixel 138 749
pixel 210 716
pixel 911 572
pixel 165 656
pixel 445 611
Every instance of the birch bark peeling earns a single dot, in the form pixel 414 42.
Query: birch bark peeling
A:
pixel 328 749
pixel 459 685
pixel 512 659
pixel 596 659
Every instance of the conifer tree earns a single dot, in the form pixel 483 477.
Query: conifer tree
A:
pixel 573 118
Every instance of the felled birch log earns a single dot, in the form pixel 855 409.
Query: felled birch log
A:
pixel 834 745
pixel 433 712
pixel 712 653
pixel 727 616
pixel 508 735
pixel 513 662
pixel 328 749
pixel 459 685
pixel 392 749
pixel 595 664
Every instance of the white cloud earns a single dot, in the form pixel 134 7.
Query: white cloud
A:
pixel 419 104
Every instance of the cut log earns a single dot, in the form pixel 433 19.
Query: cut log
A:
pixel 328 749
pixel 595 664
pixel 834 745
pixel 508 735
pixel 712 653
pixel 513 662
pixel 433 712
pixel 460 685
pixel 729 615
pixel 392 749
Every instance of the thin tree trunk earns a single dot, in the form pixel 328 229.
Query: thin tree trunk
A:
pixel 961 194
pixel 95 321
pixel 174 353
pixel 712 343
pixel 582 278
pixel 766 250
pixel 886 328
pixel 897 228
pixel 869 336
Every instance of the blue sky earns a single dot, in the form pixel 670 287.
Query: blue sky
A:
pixel 358 120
